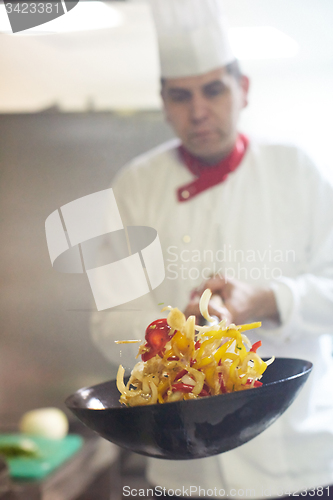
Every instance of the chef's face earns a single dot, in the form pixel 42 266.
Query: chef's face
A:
pixel 204 111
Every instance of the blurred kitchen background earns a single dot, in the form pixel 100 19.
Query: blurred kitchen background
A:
pixel 79 97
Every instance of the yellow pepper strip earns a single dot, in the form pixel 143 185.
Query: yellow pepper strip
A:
pixel 232 380
pixel 229 355
pixel 208 360
pixel 240 349
pixel 163 386
pixel 210 376
pixel 181 341
pixel 168 354
pixel 263 367
pixel 250 326
pixel 199 353
pixel 232 333
pixel 243 380
pixel 216 334
pixel 232 374
pixel 235 334
pixel 221 350
pixel 259 365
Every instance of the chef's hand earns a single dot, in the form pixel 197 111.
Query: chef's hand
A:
pixel 240 301
pixel 215 308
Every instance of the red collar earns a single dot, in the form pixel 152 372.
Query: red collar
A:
pixel 208 177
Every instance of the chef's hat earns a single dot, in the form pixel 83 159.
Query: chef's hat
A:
pixel 192 36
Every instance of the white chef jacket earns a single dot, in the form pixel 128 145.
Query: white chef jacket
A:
pixel 270 223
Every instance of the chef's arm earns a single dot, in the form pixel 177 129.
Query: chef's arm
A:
pixel 305 302
pixel 291 307
pixel 288 306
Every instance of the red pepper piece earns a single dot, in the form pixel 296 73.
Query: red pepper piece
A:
pixel 222 386
pixel 181 374
pixel 197 345
pixel 205 391
pixel 181 387
pixel 257 383
pixel 255 346
pixel 157 335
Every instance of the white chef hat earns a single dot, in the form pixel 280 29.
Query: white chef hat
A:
pixel 192 36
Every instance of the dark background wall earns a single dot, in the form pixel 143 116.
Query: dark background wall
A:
pixel 47 160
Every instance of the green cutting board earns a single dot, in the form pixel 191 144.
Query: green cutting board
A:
pixel 51 454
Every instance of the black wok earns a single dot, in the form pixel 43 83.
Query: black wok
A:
pixel 196 428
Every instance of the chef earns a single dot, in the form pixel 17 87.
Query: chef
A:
pixel 254 222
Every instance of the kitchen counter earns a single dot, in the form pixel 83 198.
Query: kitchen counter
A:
pixel 92 473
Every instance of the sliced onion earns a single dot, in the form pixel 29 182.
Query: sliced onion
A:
pixel 246 341
pixel 223 324
pixel 207 328
pixel 120 379
pixel 189 328
pixel 154 393
pixel 270 361
pixel 203 305
pixel 175 396
pixel 176 319
pixel 145 385
pixel 251 356
pixel 186 379
pixel 121 386
pixel 199 379
pixel 138 371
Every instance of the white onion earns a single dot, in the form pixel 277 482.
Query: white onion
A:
pixel 46 422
